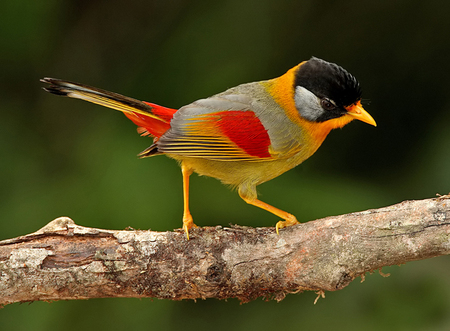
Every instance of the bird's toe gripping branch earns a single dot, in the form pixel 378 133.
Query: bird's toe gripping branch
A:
pixel 291 220
pixel 188 224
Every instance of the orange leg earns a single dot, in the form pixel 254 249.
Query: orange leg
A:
pixel 289 219
pixel 188 222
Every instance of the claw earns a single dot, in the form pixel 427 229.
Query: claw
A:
pixel 188 224
pixel 288 222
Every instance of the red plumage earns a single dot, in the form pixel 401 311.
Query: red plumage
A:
pixel 153 126
pixel 245 130
pixel 162 112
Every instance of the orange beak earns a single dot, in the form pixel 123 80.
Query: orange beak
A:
pixel 359 113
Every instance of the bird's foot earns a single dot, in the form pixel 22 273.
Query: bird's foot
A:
pixel 289 221
pixel 188 224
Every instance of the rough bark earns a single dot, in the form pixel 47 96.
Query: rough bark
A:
pixel 65 261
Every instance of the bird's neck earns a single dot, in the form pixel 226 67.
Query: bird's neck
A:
pixel 282 91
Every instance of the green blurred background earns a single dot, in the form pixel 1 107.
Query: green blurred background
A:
pixel 64 157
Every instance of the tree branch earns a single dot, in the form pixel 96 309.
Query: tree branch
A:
pixel 65 261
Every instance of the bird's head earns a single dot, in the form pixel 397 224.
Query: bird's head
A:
pixel 325 92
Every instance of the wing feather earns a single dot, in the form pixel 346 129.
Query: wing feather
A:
pixel 217 128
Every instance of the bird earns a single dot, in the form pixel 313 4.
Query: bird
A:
pixel 246 135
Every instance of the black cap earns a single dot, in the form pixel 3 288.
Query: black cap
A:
pixel 328 80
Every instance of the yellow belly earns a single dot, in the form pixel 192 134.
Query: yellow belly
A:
pixel 237 173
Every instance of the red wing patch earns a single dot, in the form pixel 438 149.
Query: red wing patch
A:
pixel 245 130
pixel 232 135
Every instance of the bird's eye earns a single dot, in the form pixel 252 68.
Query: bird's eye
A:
pixel 327 104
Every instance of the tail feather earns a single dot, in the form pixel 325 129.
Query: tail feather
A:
pixel 154 119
